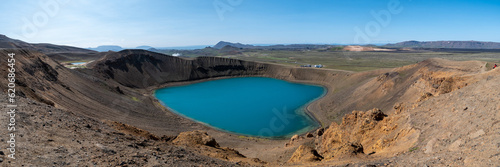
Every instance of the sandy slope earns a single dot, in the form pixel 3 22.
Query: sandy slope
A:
pixel 457 127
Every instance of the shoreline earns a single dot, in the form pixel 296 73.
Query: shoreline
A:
pixel 306 109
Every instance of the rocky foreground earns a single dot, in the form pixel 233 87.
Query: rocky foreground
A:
pixel 458 126
pixel 47 136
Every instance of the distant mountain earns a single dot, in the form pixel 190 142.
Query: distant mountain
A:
pixel 229 50
pixel 145 47
pixel 297 46
pixel 105 48
pixel 447 44
pixel 221 44
pixel 193 47
pixel 115 48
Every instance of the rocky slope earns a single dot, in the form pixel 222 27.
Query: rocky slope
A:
pixel 56 52
pixel 142 69
pixel 8 43
pixel 455 126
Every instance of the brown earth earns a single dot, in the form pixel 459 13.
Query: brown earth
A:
pixel 57 52
pixel 48 136
pixel 456 127
pixel 357 48
pixel 439 112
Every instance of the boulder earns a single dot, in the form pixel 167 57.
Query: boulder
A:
pixel 376 114
pixel 305 154
pixel 294 138
pixel 320 131
pixel 194 138
pixel 308 135
pixel 425 96
pixel 350 149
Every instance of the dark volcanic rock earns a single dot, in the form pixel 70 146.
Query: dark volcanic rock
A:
pixel 8 43
pixel 57 52
pixel 141 69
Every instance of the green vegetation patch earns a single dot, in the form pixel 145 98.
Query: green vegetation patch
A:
pixel 135 99
pixel 413 149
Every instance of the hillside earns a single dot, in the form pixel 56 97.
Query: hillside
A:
pixel 455 126
pixel 57 52
pixel 447 44
pixel 8 43
pixel 142 69
pixel 222 44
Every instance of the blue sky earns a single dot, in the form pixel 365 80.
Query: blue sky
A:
pixel 163 23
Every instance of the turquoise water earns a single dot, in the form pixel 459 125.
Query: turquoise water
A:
pixel 253 106
pixel 78 63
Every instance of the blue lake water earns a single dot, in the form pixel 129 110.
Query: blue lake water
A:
pixel 78 63
pixel 253 106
